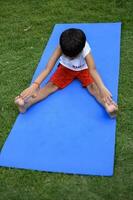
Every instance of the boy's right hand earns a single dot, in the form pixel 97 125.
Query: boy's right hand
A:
pixel 28 92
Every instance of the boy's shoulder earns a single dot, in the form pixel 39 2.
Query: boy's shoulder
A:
pixel 86 49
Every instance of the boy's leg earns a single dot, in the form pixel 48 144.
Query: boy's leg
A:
pixel 42 93
pixel 110 108
pixel 60 79
pixel 94 91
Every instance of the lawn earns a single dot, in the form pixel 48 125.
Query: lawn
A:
pixel 25 26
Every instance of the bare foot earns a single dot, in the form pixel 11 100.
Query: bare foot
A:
pixel 23 108
pixel 112 109
pixel 22 104
pixel 19 100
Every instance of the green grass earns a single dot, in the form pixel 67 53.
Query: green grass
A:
pixel 20 52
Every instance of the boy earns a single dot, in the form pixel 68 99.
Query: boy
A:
pixel 76 61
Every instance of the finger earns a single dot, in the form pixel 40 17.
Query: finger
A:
pixel 115 104
pixel 24 92
pixel 109 99
pixel 17 97
pixel 105 100
pixel 20 96
pixel 24 96
pixel 109 93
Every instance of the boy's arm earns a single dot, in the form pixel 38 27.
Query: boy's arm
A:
pixel 107 96
pixel 30 90
pixel 56 54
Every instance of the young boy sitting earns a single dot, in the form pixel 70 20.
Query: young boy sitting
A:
pixel 76 61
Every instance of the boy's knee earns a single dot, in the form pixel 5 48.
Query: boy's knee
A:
pixel 51 86
pixel 92 89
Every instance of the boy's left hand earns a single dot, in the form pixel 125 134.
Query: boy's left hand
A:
pixel 106 95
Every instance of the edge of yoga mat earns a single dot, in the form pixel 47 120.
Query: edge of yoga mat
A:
pixel 37 71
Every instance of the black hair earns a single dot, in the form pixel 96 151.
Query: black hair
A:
pixel 72 41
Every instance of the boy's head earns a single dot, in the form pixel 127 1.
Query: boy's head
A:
pixel 72 41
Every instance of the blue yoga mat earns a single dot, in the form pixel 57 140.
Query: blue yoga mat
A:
pixel 69 131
